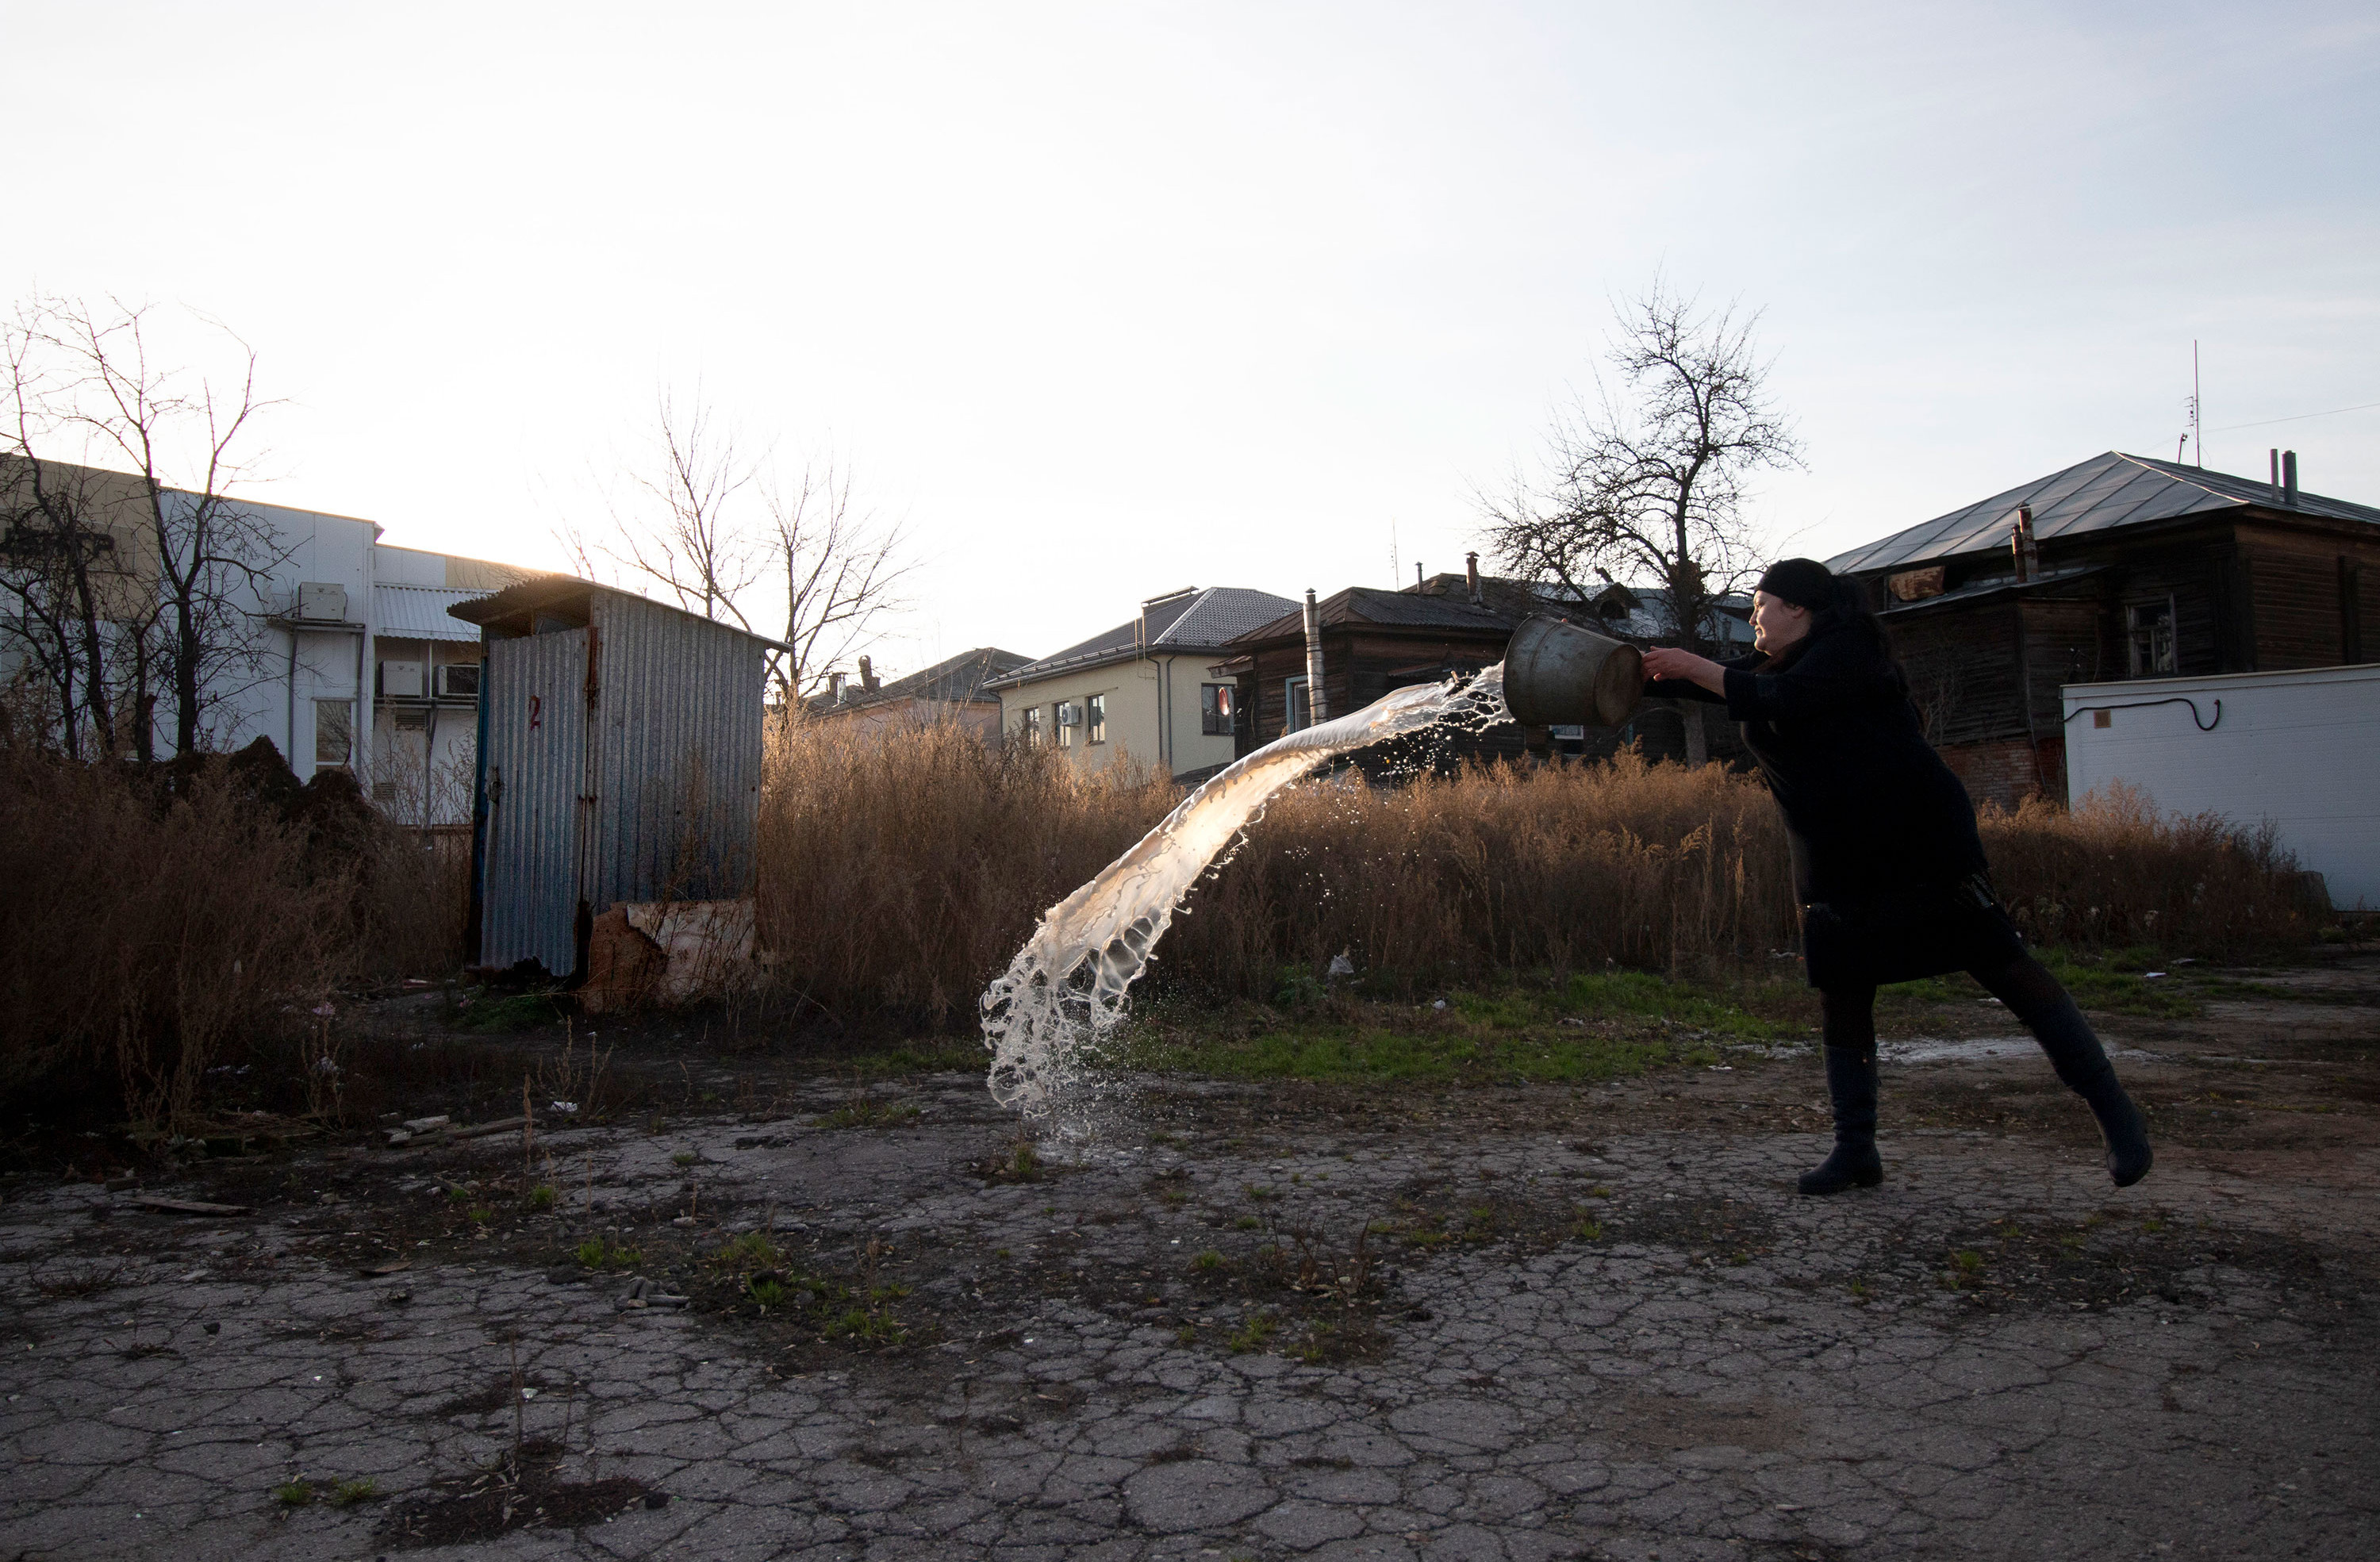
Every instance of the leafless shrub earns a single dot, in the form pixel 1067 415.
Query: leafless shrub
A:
pixel 2114 872
pixel 144 929
pixel 904 870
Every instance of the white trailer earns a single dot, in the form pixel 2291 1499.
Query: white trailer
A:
pixel 2301 749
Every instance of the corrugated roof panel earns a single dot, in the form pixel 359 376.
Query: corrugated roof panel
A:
pixel 2100 495
pixel 418 612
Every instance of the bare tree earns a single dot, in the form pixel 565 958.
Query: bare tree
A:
pixel 714 526
pixel 129 572
pixel 1651 481
pixel 843 573
pixel 683 528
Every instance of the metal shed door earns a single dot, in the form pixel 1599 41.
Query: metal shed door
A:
pixel 536 696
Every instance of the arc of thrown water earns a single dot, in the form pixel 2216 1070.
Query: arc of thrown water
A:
pixel 1065 990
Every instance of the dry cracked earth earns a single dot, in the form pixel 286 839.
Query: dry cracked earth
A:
pixel 1251 1322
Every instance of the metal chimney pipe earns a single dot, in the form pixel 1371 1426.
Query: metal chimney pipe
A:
pixel 1471 575
pixel 2276 456
pixel 1318 709
pixel 2289 478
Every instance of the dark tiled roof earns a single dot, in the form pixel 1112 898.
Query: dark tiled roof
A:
pixel 1195 621
pixel 2100 494
pixel 1445 604
pixel 948 682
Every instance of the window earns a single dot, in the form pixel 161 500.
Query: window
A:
pixel 1063 718
pixel 1299 715
pixel 1031 729
pixel 334 731
pixel 1215 709
pixel 2149 630
pixel 1095 720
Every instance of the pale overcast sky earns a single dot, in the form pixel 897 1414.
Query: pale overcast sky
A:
pixel 1106 299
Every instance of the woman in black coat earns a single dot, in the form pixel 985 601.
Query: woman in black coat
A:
pixel 1886 863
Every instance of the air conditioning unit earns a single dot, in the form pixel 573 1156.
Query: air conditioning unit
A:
pixel 322 602
pixel 1070 715
pixel 400 680
pixel 459 681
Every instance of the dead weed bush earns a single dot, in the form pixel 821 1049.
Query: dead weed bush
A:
pixel 903 870
pixel 2114 873
pixel 900 870
pixel 159 923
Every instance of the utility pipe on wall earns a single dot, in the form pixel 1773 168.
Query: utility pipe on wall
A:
pixel 1317 709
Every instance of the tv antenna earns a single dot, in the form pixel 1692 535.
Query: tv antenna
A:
pixel 2192 440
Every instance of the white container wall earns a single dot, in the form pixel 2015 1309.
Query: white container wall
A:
pixel 2299 749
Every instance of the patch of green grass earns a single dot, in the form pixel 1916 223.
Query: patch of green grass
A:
pixel 866 1113
pixel 521 1011
pixel 684 1157
pixel 1586 1227
pixel 866 1326
pixel 294 1494
pixel 1251 1334
pixel 768 1293
pixel 602 1253
pixel 542 1197
pixel 1640 993
pixel 2116 981
pixel 1966 1268
pixel 1362 1053
pixel 753 1250
pixel 1588 1028
pixel 347 1493
pixel 481 1214
pixel 1210 1263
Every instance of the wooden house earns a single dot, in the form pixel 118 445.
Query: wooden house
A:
pixel 2118 567
pixel 1373 640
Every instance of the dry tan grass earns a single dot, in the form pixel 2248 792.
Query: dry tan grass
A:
pixel 904 871
pixel 157 924
pixel 2114 873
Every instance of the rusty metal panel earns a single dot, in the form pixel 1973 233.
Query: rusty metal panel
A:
pixel 677 756
pixel 536 770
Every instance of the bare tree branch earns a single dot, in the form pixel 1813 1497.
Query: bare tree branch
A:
pixel 1651 481
pixel 164 598
pixel 715 528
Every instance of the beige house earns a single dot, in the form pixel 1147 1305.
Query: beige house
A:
pixel 1142 693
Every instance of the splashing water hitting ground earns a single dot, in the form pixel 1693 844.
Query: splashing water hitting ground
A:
pixel 1064 993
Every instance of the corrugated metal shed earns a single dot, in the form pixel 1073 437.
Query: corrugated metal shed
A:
pixel 2100 494
pixel 619 760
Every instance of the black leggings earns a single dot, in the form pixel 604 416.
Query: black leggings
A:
pixel 2037 999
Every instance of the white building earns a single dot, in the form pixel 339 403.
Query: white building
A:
pixel 352 660
pixel 2298 749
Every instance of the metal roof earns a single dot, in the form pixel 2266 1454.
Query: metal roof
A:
pixel 418 612
pixel 2100 495
pixel 1445 605
pixel 1195 621
pixel 952 681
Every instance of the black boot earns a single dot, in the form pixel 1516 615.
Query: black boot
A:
pixel 2082 1063
pixel 1850 1085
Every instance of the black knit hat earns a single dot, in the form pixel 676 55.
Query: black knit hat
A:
pixel 1804 582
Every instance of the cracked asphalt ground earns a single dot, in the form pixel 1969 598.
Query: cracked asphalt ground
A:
pixel 1254 1322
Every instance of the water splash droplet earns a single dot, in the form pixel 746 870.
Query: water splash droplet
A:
pixel 1064 993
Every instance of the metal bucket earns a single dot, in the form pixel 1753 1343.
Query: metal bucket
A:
pixel 1557 674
